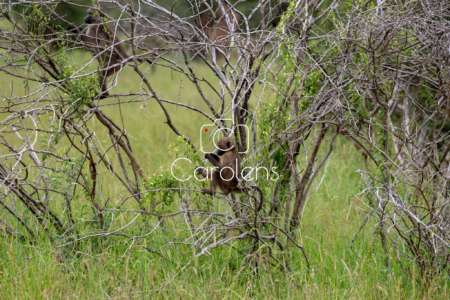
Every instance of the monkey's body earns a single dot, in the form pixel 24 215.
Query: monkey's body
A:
pixel 226 168
pixel 102 40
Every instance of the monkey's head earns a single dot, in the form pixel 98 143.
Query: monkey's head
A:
pixel 224 145
pixel 94 16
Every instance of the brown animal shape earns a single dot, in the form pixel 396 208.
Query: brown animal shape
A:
pixel 222 34
pixel 108 49
pixel 227 167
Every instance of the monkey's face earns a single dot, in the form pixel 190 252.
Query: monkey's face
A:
pixel 89 19
pixel 93 17
pixel 224 145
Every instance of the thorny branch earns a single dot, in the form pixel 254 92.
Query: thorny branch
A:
pixel 376 73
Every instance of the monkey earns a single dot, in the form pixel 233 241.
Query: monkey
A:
pixel 227 168
pixel 107 47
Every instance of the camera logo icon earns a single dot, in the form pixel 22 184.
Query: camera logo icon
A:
pixel 210 134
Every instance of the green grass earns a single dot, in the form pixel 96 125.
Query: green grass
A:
pixel 104 269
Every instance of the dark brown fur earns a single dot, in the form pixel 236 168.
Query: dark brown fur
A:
pixel 227 168
pixel 99 36
pixel 281 9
